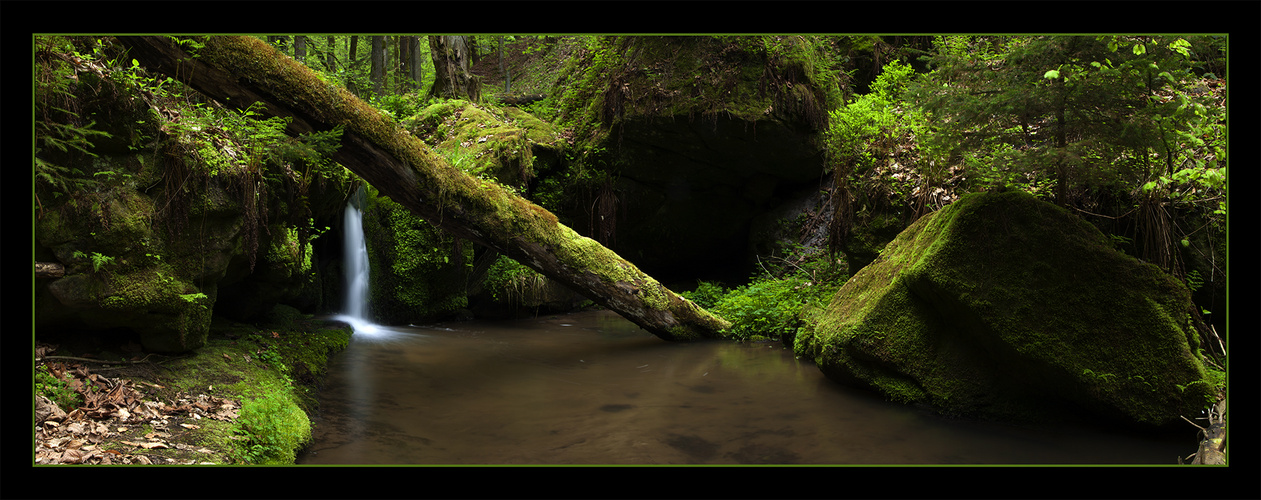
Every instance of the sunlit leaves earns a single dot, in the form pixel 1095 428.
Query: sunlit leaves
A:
pixel 1181 46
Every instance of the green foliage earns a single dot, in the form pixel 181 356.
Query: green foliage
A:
pixel 706 295
pixel 99 261
pixel 510 281
pixel 399 106
pixel 272 428
pixel 765 308
pixel 865 138
pixel 771 305
pixel 60 132
pixel 56 390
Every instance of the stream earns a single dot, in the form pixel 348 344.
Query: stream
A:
pixel 593 388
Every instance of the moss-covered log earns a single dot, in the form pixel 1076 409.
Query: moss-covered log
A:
pixel 239 71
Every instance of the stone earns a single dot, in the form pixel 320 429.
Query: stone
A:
pixel 1001 306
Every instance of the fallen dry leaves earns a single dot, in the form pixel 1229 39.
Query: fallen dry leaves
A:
pixel 104 430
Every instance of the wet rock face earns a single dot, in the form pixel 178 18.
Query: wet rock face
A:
pixel 1003 306
pixel 691 187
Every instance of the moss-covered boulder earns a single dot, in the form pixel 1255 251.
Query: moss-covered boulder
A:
pixel 687 139
pixel 417 272
pixel 492 143
pixel 1003 306
pixel 120 273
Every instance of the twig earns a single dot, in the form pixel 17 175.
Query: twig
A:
pixel 100 361
pixel 1193 423
pixel 1101 215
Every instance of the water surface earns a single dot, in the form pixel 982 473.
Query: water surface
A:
pixel 593 388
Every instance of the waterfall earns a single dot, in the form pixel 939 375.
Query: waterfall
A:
pixel 355 264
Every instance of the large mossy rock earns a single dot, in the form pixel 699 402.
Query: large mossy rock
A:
pixel 1003 306
pixel 418 273
pixel 498 143
pixel 123 272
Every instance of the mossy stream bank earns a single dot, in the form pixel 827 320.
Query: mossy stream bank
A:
pixel 246 397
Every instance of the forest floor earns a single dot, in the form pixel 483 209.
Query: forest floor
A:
pixel 136 408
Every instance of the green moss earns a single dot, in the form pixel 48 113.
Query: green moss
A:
pixel 962 305
pixel 418 271
pixel 274 374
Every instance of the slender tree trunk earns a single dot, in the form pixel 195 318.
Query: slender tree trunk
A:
pixel 299 48
pixel 403 74
pixel 502 70
pixel 352 65
pixel 239 71
pixel 330 61
pixel 417 63
pixel 378 65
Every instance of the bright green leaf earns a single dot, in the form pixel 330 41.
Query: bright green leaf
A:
pixel 1181 46
pixel 1051 74
pixel 1139 49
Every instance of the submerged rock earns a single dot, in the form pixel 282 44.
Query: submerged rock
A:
pixel 1003 306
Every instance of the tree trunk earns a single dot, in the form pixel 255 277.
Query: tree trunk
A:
pixel 330 63
pixel 378 65
pixel 352 65
pixel 502 70
pixel 452 79
pixel 404 67
pixel 417 62
pixel 239 71
pixel 299 48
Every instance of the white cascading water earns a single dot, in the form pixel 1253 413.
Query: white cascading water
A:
pixel 356 269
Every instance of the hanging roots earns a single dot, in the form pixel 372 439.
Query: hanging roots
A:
pixel 604 217
pixel 1155 231
pixel 842 216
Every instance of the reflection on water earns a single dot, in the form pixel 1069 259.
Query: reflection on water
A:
pixel 592 388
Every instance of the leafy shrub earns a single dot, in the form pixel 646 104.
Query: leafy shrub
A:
pixel 273 429
pixel 770 308
pixel 706 295
pixel 859 130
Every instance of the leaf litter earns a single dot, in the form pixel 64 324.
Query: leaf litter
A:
pixel 108 428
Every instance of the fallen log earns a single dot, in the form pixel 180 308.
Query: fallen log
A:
pixel 48 270
pixel 520 100
pixel 239 71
